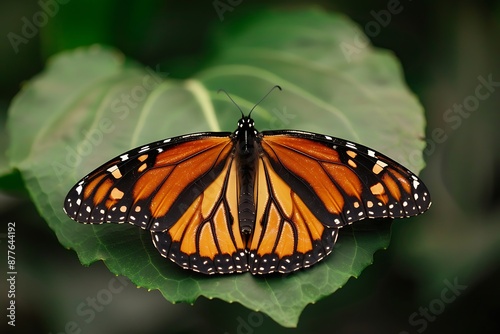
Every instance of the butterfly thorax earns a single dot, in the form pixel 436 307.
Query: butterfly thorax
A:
pixel 247 153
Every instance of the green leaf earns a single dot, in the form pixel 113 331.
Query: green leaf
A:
pixel 90 105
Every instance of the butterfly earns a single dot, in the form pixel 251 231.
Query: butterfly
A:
pixel 247 201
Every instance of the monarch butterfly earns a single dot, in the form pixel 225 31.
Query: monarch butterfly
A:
pixel 263 202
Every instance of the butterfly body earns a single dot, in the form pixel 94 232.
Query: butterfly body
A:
pixel 246 150
pixel 247 201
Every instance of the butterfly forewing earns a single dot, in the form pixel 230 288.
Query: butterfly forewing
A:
pixel 147 186
pixel 343 182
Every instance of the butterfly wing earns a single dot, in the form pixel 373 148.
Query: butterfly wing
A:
pixel 206 238
pixel 344 182
pixel 185 191
pixel 310 185
pixel 181 189
pixel 287 235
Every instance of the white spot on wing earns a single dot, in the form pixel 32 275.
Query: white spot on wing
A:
pixel 381 163
pixel 351 145
pixel 112 168
pixel 79 189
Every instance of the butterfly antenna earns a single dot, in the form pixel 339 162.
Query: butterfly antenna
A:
pixel 237 106
pixel 262 99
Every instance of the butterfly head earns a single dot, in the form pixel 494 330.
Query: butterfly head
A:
pixel 246 123
pixel 245 130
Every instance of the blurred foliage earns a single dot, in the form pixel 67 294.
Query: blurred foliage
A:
pixel 443 46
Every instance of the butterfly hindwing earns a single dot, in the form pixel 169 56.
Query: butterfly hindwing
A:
pixel 206 238
pixel 287 235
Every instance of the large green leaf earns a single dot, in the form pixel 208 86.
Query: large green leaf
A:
pixel 90 105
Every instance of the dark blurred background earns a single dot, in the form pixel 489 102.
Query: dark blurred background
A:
pixel 441 271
